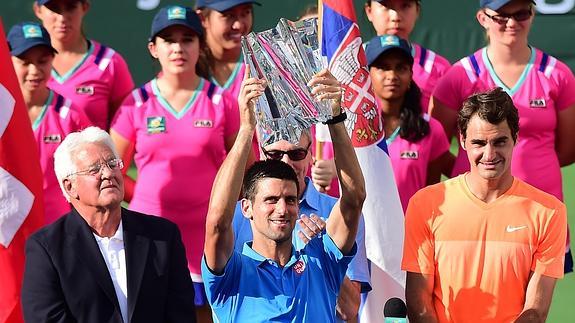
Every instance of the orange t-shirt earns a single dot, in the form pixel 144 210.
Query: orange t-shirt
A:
pixel 481 254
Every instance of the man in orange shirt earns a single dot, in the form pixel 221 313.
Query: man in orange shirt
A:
pixel 483 246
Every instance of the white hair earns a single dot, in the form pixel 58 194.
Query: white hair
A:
pixel 64 166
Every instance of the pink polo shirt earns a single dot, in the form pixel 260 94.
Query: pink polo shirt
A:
pixel 233 86
pixel 178 155
pixel 57 119
pixel 99 80
pixel 410 160
pixel 546 87
pixel 428 68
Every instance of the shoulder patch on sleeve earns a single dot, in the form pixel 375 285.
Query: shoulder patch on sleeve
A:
pixel 215 93
pixel 140 96
pixel 103 57
pixel 471 67
pixel 547 64
pixel 63 106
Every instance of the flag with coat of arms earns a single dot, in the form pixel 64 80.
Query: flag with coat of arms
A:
pixel 21 201
pixel 384 221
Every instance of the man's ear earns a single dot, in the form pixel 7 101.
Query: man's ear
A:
pixel 70 188
pixel 462 141
pixel 247 209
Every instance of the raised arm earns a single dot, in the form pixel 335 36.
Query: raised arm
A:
pixel 219 243
pixel 344 217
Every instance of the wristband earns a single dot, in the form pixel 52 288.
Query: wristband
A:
pixel 337 119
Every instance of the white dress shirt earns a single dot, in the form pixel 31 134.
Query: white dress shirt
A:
pixel 114 254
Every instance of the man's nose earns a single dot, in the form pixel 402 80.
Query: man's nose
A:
pixel 489 152
pixel 281 207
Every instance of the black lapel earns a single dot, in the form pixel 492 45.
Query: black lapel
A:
pixel 88 252
pixel 137 246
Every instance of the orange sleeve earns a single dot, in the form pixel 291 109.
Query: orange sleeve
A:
pixel 419 244
pixel 549 256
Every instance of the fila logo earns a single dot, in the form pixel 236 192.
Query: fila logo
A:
pixel 52 139
pixel 537 103
pixel 85 90
pixel 409 155
pixel 513 229
pixel 203 123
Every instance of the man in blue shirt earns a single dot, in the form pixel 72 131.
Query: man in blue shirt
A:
pixel 270 280
pixel 311 201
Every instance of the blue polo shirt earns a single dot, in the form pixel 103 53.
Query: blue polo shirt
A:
pixel 321 204
pixel 255 289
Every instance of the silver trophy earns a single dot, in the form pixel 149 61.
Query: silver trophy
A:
pixel 287 57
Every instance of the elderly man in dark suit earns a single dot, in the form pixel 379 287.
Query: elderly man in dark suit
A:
pixel 100 262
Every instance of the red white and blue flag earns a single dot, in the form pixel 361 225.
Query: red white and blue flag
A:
pixel 384 222
pixel 21 202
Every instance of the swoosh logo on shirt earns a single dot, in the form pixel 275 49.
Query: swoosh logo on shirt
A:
pixel 513 229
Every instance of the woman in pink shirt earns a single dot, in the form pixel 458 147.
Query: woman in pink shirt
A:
pixel 92 75
pixel 398 17
pixel 224 23
pixel 542 89
pixel 416 144
pixel 52 116
pixel 178 128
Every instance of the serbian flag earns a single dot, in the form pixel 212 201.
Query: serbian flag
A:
pixel 21 201
pixel 341 44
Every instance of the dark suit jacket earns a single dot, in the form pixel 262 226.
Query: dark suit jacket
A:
pixel 66 278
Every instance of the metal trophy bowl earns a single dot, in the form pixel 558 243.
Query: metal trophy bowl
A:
pixel 287 57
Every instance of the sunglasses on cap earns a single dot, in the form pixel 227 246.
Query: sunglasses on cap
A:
pixel 503 18
pixel 293 154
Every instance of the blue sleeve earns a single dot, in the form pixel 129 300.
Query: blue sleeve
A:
pixel 221 287
pixel 334 262
pixel 242 229
pixel 358 269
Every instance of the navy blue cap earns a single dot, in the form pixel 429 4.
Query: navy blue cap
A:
pixel 494 4
pixel 176 15
pixel 43 2
pixel 26 35
pixel 222 5
pixel 381 44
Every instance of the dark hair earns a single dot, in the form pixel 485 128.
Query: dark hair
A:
pixel 206 61
pixel 266 169
pixel 494 106
pixel 308 10
pixel 413 126
pixel 368 2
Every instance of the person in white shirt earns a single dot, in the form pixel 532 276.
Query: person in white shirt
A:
pixel 101 262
